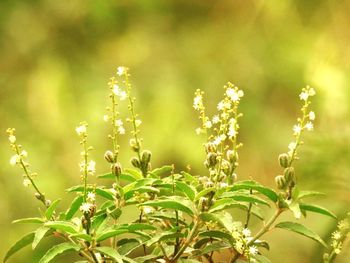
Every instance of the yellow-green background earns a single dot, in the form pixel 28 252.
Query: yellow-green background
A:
pixel 57 56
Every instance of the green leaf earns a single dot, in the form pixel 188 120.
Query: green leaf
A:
pixel 110 233
pixel 127 245
pixel 51 209
pixel 24 241
pixel 301 229
pixel 158 172
pixel 111 253
pixel 163 236
pixel 64 226
pixel 294 207
pixel 262 259
pixel 268 192
pixel 204 192
pixel 83 236
pixel 170 204
pixel 317 209
pixel 39 234
pixel 57 250
pixel 74 207
pixel 34 220
pixel 217 234
pixel 308 194
pixel 245 198
pixel 140 226
pixel 187 189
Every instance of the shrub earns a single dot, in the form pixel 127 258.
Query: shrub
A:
pixel 182 217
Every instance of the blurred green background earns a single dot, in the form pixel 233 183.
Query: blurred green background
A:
pixel 57 57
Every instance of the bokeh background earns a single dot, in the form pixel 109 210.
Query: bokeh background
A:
pixel 57 57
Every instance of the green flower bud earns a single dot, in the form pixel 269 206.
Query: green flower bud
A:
pixel 135 162
pixel 289 174
pixel 146 157
pixel 47 203
pixel 117 169
pixel 226 167
pixel 109 157
pixel 212 159
pixel 283 160
pixel 210 147
pixel 232 156
pixel 134 145
pixel 280 181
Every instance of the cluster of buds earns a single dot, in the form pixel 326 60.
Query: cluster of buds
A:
pixel 222 131
pixel 116 167
pixel 288 180
pixel 338 238
pixel 144 163
pixel 19 158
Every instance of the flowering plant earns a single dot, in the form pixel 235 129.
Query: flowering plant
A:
pixel 182 217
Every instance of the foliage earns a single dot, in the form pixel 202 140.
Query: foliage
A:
pixel 182 217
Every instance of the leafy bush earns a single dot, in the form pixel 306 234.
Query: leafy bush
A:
pixel 182 217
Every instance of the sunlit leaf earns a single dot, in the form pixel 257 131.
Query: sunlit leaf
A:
pixel 74 207
pixel 34 220
pixel 64 226
pixel 62 248
pixel 301 229
pixel 317 209
pixel 51 209
pixel 170 204
pixel 39 234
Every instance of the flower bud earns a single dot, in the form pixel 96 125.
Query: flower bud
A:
pixel 134 145
pixel 146 156
pixel 135 162
pixel 210 147
pixel 116 169
pixel 226 167
pixel 289 174
pixel 47 203
pixel 283 160
pixel 280 181
pixel 211 159
pixel 232 156
pixel 109 157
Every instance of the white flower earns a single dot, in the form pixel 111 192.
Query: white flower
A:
pixel 337 251
pixel 312 115
pixel 312 92
pixel 24 153
pixel 208 124
pixel 253 250
pixel 12 139
pixel 105 118
pixel 121 71
pixel 224 105
pixel 91 168
pixel 292 146
pixel 116 90
pixel 246 232
pixel 91 196
pixel 198 102
pixel 26 182
pixel 123 95
pixel 15 159
pixel 147 209
pixel 85 207
pixel 309 126
pixel 223 185
pixel 304 96
pixel 240 93
pixel 297 129
pixel 198 131
pixel 336 235
pixel 118 123
pixel 81 130
pixel 138 123
pixel 231 132
pixel 216 119
pixel 121 130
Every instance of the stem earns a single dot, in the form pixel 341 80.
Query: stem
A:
pixel 85 169
pixel 187 242
pixel 266 228
pixel 248 212
pixel 24 167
